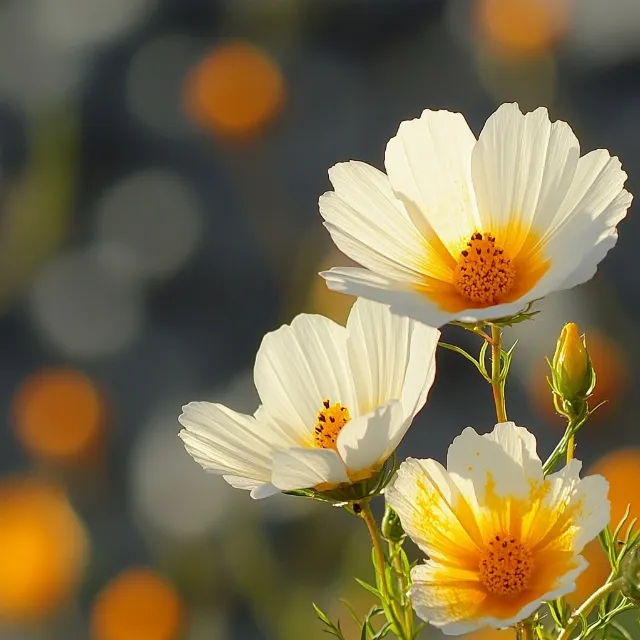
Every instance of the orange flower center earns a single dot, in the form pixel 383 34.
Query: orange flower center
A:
pixel 483 274
pixel 505 566
pixel 329 423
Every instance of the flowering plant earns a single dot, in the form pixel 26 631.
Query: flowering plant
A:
pixel 473 233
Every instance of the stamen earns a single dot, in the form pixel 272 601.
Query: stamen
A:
pixel 483 274
pixel 329 424
pixel 505 566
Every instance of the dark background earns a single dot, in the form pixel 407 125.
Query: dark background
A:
pixel 161 162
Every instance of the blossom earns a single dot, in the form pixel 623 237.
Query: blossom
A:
pixel 501 538
pixel 470 230
pixel 336 402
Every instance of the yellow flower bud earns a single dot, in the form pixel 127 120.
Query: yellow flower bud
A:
pixel 630 570
pixel 573 375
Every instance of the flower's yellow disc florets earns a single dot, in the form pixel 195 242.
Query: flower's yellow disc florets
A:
pixel 483 274
pixel 505 566
pixel 329 423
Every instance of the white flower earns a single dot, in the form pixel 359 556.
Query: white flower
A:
pixel 473 230
pixel 501 538
pixel 336 402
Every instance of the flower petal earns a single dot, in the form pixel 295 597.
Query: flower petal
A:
pixel 305 468
pixel 401 299
pixel 370 225
pixel 501 464
pixel 522 168
pixel 434 513
pixel 258 490
pixel 429 166
pixel 447 598
pixel 390 356
pixel 368 440
pixel 297 367
pixel 573 511
pixel 226 442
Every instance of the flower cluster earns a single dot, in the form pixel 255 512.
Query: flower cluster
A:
pixel 466 231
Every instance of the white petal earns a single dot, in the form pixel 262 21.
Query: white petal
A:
pixel 503 462
pixel 433 512
pixel 224 441
pixel 305 468
pixel 401 300
pixel 390 356
pixel 449 605
pixel 429 166
pixel 522 167
pixel 369 440
pixel 300 365
pixel 369 224
pixel 594 509
pixel 258 489
pixel 595 253
pixel 586 221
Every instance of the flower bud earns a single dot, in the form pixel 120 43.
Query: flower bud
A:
pixel 573 374
pixel 630 572
pixel 391 527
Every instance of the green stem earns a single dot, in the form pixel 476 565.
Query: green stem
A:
pixel 497 383
pixel 389 603
pixel 403 586
pixel 585 608
pixel 570 447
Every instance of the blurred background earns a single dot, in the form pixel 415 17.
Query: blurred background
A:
pixel 161 162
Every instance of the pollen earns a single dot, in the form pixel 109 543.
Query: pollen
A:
pixel 505 566
pixel 483 274
pixel 329 423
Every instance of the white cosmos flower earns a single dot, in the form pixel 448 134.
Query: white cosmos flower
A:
pixel 466 229
pixel 501 538
pixel 336 402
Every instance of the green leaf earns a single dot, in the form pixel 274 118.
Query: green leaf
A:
pixel 351 611
pixel 384 630
pixel 469 357
pixel 370 588
pixel 331 629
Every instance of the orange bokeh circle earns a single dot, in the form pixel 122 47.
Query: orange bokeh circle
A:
pixel 58 414
pixel 43 550
pixel 521 28
pixel 235 90
pixel 138 604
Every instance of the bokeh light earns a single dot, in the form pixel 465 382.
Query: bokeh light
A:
pixel 42 550
pixel 171 493
pixel 84 310
pixel 155 78
pixel 59 414
pixel 235 91
pixel 138 604
pixel 35 71
pixel 151 221
pixel 521 28
pixel 612 379
pixel 78 23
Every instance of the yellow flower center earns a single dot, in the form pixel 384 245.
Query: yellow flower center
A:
pixel 329 423
pixel 483 274
pixel 505 566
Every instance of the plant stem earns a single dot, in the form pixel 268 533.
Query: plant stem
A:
pixel 570 447
pixel 585 608
pixel 408 610
pixel 497 384
pixel 391 610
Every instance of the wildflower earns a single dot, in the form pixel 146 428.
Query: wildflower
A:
pixel 336 402
pixel 501 538
pixel 474 230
